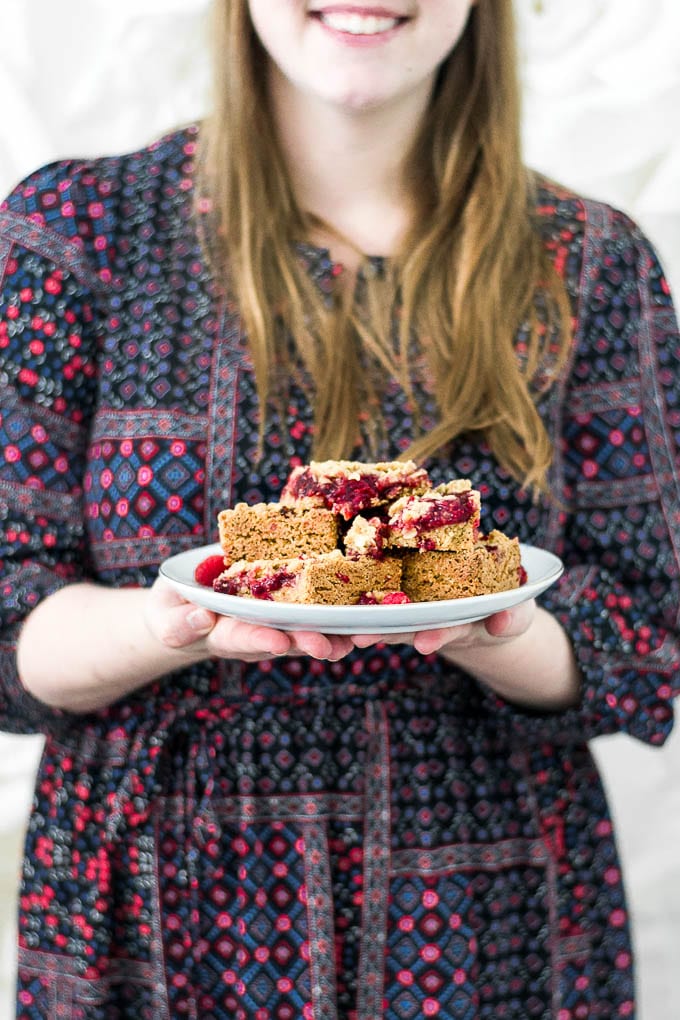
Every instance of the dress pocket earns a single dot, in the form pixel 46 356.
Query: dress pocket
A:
pixel 470 933
pixel 247 919
pixel 51 987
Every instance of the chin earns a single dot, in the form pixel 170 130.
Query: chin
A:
pixel 361 104
pixel 359 100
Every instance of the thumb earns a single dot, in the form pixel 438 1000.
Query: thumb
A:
pixel 174 621
pixel 199 620
pixel 185 624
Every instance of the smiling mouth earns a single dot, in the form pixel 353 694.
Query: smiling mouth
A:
pixel 357 23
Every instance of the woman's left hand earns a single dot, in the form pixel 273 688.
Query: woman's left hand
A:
pixel 500 627
pixel 522 653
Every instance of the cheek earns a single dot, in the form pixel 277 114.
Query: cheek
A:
pixel 452 17
pixel 277 12
pixel 273 23
pixel 282 28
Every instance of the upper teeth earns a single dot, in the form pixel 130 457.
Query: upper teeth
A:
pixel 358 24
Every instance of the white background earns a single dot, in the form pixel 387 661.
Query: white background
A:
pixel 601 114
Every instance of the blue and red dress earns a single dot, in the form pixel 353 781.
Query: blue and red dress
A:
pixel 380 837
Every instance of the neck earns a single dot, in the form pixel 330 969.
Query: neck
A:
pixel 347 166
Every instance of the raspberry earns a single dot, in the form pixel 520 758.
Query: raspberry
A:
pixel 208 569
pixel 389 598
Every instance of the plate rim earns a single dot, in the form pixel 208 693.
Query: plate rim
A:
pixel 325 618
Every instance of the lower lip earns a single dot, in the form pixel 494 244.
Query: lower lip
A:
pixel 361 41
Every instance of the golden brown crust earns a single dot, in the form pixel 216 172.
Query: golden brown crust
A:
pixel 493 566
pixel 270 531
pixel 421 540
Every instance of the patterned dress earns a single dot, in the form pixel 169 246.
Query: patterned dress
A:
pixel 298 840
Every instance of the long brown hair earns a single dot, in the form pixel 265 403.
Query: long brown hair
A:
pixel 472 274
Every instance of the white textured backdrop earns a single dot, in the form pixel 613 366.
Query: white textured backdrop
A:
pixel 601 114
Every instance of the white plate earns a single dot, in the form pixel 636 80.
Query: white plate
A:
pixel 543 569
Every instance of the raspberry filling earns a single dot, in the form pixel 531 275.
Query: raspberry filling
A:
pixel 260 587
pixel 349 496
pixel 435 513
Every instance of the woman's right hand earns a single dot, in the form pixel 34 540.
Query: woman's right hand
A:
pixel 178 624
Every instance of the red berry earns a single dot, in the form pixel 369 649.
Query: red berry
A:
pixel 208 569
pixel 395 598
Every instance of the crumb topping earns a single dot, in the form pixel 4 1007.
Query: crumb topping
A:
pixel 348 487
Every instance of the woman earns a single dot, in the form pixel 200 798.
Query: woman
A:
pixel 348 258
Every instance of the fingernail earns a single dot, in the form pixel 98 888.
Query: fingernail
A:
pixel 200 619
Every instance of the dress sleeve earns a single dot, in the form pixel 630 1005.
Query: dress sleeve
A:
pixel 619 598
pixel 47 387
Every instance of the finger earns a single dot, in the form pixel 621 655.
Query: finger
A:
pixel 231 638
pixel 511 622
pixel 390 638
pixel 499 624
pixel 427 642
pixel 366 640
pixel 320 646
pixel 341 645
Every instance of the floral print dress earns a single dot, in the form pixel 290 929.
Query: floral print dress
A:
pixel 301 840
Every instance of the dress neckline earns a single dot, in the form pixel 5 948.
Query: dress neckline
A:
pixel 319 260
